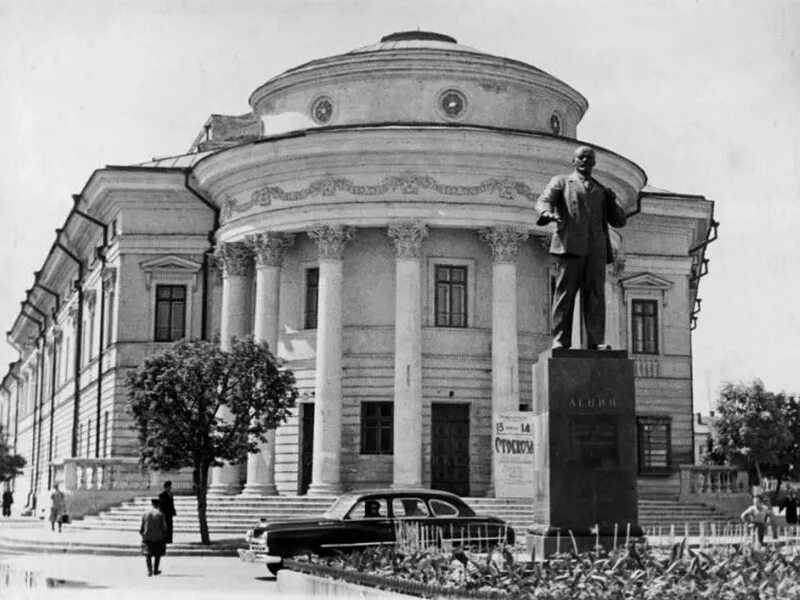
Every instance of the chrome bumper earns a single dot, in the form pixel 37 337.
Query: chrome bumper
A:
pixel 259 555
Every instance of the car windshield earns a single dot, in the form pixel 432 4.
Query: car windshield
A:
pixel 342 505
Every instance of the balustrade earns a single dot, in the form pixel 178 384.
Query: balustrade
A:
pixel 100 474
pixel 711 480
pixel 646 367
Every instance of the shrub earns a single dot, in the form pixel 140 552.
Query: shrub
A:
pixel 637 572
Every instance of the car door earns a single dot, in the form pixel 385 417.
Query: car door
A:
pixel 413 526
pixel 364 526
pixel 468 531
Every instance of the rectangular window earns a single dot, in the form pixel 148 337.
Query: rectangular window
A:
pixel 105 434
pixel 450 296
pixel 312 297
pixel 376 427
pixel 654 445
pixel 109 318
pixel 644 326
pixel 170 312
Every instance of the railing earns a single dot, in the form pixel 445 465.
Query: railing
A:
pixel 645 367
pixel 709 480
pixel 101 474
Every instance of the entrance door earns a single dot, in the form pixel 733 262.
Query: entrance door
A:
pixel 306 444
pixel 450 448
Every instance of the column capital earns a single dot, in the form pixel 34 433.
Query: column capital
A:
pixel 269 249
pixel 233 257
pixel 408 238
pixel 504 242
pixel 109 276
pixel 90 299
pixel 330 240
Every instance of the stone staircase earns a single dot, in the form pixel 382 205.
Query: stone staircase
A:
pixel 233 515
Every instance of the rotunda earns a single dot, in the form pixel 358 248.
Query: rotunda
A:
pixel 398 267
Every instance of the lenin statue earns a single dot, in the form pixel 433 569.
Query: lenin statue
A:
pixel 582 210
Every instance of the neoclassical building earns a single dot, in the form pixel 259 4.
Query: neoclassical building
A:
pixel 372 220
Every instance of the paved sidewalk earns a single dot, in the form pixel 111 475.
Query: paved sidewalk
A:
pixel 30 535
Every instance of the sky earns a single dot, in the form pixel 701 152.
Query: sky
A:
pixel 704 96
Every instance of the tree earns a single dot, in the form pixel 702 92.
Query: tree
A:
pixel 753 427
pixel 196 405
pixel 11 465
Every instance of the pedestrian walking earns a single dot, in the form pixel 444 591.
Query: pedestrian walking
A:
pixel 789 505
pixel 58 508
pixel 154 535
pixel 8 500
pixel 757 516
pixel 167 506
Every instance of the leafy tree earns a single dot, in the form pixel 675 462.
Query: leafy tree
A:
pixel 196 405
pixel 752 427
pixel 11 465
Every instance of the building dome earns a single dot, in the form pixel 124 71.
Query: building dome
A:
pixel 418 77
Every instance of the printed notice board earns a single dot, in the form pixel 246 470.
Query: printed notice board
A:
pixel 512 449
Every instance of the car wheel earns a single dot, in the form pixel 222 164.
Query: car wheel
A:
pixel 273 568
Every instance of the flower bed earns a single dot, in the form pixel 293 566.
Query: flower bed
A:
pixel 731 572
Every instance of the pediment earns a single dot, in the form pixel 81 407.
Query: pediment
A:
pixel 171 263
pixel 647 281
pixel 171 267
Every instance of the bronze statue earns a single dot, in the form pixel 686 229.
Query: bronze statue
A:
pixel 582 210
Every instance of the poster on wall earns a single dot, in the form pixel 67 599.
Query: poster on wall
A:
pixel 512 449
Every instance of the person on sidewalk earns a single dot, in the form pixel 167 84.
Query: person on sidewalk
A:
pixel 167 507
pixel 58 508
pixel 789 504
pixel 154 535
pixel 757 516
pixel 8 500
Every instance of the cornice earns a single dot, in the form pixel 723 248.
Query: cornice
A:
pixel 445 150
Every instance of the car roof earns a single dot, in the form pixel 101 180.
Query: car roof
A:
pixel 394 492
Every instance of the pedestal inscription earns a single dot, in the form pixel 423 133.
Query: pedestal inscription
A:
pixel 585 455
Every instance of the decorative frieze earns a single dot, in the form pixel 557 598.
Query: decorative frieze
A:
pixel 405 183
pixel 504 242
pixel 330 240
pixel 408 238
pixel 234 257
pixel 270 249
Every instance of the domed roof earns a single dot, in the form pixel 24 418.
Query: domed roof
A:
pixel 415 77
pixel 412 40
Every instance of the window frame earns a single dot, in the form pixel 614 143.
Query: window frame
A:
pixel 647 469
pixel 171 301
pixel 169 270
pixel 307 268
pixel 643 302
pixel 646 286
pixel 430 309
pixel 380 428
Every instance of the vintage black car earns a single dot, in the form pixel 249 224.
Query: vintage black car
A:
pixel 395 517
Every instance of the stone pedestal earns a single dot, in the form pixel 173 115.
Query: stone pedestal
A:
pixel 585 456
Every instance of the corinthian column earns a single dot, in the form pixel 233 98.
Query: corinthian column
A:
pixel 235 259
pixel 269 250
pixel 325 473
pixel 408 239
pixel 504 242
